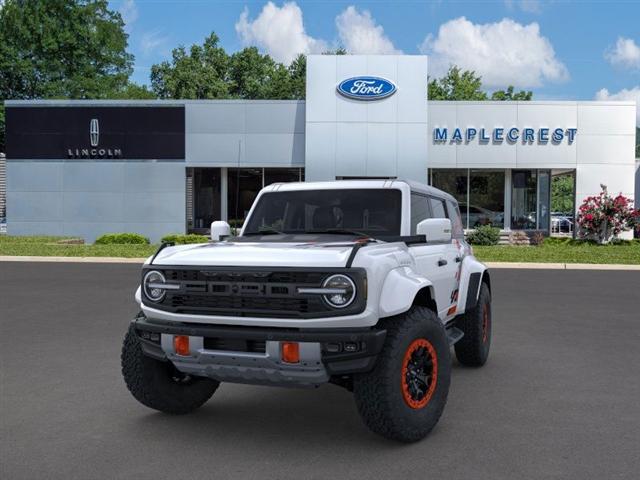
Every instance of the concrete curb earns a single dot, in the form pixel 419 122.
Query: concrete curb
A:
pixel 514 265
pixel 7 258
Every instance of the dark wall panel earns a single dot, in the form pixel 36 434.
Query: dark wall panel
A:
pixel 145 132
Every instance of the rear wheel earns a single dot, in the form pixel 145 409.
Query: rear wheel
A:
pixel 159 385
pixel 473 349
pixel 403 397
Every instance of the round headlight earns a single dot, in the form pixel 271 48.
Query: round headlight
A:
pixel 153 294
pixel 344 291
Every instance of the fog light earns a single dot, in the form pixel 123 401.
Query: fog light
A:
pixel 290 352
pixel 181 345
pixel 350 347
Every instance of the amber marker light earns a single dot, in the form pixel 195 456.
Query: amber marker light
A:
pixel 181 345
pixel 290 352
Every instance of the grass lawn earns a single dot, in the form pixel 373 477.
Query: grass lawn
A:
pixel 45 246
pixel 627 253
pixel 549 252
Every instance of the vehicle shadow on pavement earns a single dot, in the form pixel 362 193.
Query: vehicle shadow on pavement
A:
pixel 285 418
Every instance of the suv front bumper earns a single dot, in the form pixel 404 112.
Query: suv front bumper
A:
pixel 222 353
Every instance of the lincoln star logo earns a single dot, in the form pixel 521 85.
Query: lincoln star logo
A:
pixel 366 88
pixel 94 132
pixel 94 140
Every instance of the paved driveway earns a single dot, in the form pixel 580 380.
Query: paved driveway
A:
pixel 559 398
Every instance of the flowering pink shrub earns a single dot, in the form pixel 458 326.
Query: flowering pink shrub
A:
pixel 603 217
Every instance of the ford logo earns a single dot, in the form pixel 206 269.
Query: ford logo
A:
pixel 366 88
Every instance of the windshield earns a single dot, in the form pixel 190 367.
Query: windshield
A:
pixel 368 212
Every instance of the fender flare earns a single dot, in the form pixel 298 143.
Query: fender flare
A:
pixel 472 274
pixel 399 290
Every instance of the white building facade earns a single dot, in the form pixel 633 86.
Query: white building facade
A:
pixel 84 168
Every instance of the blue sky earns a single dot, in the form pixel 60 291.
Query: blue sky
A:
pixel 561 50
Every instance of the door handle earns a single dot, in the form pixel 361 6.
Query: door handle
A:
pixel 458 259
pixel 442 262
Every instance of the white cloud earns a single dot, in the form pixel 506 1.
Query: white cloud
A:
pixel 504 53
pixel 359 33
pixel 632 94
pixel 151 41
pixel 278 31
pixel 626 53
pixel 529 6
pixel 129 12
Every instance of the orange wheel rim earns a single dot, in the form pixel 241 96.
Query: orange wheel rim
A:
pixel 419 373
pixel 485 323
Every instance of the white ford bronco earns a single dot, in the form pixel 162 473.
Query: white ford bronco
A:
pixel 361 283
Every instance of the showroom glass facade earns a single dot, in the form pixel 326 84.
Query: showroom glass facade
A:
pixel 228 193
pixel 507 199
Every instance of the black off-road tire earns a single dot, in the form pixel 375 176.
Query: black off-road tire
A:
pixel 158 384
pixel 382 395
pixel 472 350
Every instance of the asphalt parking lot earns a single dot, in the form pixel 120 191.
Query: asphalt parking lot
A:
pixel 559 398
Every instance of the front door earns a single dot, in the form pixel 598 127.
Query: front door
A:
pixel 435 261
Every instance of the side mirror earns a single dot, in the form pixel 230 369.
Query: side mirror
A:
pixel 435 229
pixel 219 230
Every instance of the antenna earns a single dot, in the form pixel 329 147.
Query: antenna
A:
pixel 238 183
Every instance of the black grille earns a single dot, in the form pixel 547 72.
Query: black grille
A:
pixel 244 306
pixel 230 291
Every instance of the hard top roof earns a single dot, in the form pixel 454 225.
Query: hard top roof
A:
pixel 360 183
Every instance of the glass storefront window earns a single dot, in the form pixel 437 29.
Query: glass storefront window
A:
pixel 206 198
pixel 281 175
pixel 544 199
pixel 562 207
pixel 524 189
pixel 481 197
pixel 244 184
pixel 486 198
pixel 454 182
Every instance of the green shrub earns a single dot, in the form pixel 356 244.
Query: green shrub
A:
pixel 121 239
pixel 484 235
pixel 180 239
pixel 557 241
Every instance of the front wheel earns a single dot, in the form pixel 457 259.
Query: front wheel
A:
pixel 403 397
pixel 159 385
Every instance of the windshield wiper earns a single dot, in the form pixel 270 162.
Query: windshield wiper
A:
pixel 340 231
pixel 266 231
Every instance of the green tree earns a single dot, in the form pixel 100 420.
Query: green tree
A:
pixel 61 49
pixel 510 95
pixel 199 74
pixel 208 72
pixel 256 76
pixel 337 51
pixel 134 91
pixel 562 193
pixel 298 74
pixel 2 126
pixel 457 85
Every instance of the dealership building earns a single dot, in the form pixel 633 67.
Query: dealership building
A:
pixel 84 168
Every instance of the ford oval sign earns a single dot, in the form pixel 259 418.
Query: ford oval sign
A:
pixel 366 88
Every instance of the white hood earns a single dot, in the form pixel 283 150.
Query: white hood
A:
pixel 257 254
